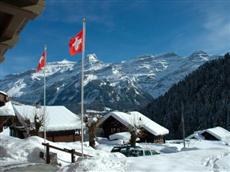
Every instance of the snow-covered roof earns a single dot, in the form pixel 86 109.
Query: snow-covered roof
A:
pixel 58 118
pixel 218 132
pixel 7 109
pixel 2 92
pixel 135 118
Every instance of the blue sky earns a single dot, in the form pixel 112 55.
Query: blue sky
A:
pixel 122 29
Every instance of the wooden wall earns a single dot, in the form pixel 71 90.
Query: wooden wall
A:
pixel 111 126
pixel 62 136
pixel 55 136
pixel 146 136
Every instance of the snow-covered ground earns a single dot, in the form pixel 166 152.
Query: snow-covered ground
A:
pixel 23 155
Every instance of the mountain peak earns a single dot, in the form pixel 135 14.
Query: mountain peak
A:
pixel 199 55
pixel 166 55
pixel 91 58
pixel 65 61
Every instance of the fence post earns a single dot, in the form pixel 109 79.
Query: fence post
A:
pixel 47 153
pixel 72 155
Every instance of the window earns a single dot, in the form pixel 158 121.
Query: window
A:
pixel 113 130
pixel 153 152
pixel 147 153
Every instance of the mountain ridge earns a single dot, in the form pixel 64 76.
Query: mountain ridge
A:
pixel 127 85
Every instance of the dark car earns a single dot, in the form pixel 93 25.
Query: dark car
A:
pixel 130 151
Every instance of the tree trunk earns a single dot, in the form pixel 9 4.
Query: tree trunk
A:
pixel 133 138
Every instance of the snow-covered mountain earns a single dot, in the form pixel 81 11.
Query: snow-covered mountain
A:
pixel 127 85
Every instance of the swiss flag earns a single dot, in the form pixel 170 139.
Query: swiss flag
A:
pixel 76 44
pixel 42 61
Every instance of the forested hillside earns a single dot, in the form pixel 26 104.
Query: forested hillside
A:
pixel 205 96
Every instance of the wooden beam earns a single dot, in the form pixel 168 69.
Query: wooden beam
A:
pixel 21 3
pixel 9 42
pixel 14 10
pixel 15 14
pixel 15 25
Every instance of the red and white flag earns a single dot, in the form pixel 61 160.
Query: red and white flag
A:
pixel 76 44
pixel 42 61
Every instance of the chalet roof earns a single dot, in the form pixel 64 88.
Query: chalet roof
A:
pixel 59 118
pixel 7 109
pixel 218 132
pixel 4 93
pixel 135 118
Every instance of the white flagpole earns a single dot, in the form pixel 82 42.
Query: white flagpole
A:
pixel 44 106
pixel 82 85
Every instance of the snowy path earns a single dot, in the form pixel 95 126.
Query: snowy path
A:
pixel 211 162
pixel 189 161
pixel 215 163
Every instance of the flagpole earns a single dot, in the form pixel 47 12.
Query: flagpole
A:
pixel 82 85
pixel 44 106
pixel 182 122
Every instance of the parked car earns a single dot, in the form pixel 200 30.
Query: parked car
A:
pixel 130 151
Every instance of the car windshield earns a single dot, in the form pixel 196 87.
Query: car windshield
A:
pixel 115 149
pixel 147 153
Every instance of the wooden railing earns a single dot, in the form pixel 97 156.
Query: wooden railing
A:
pixel 71 151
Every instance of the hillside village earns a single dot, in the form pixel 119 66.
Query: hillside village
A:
pixel 24 124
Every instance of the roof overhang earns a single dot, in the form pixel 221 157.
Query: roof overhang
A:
pixel 14 14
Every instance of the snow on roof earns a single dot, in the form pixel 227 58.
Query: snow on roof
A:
pixel 137 119
pixel 58 118
pixel 7 109
pixel 150 125
pixel 219 132
pixel 2 92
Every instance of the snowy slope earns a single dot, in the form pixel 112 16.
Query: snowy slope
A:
pixel 126 85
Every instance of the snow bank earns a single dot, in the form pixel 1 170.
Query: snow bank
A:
pixel 102 162
pixel 14 150
pixel 105 141
pixel 120 136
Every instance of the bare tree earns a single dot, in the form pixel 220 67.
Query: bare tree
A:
pixel 91 124
pixel 27 125
pixel 135 129
pixel 134 132
pixel 38 122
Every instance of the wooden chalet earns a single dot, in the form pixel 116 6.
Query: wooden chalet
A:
pixel 116 122
pixel 6 110
pixel 212 134
pixel 61 124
